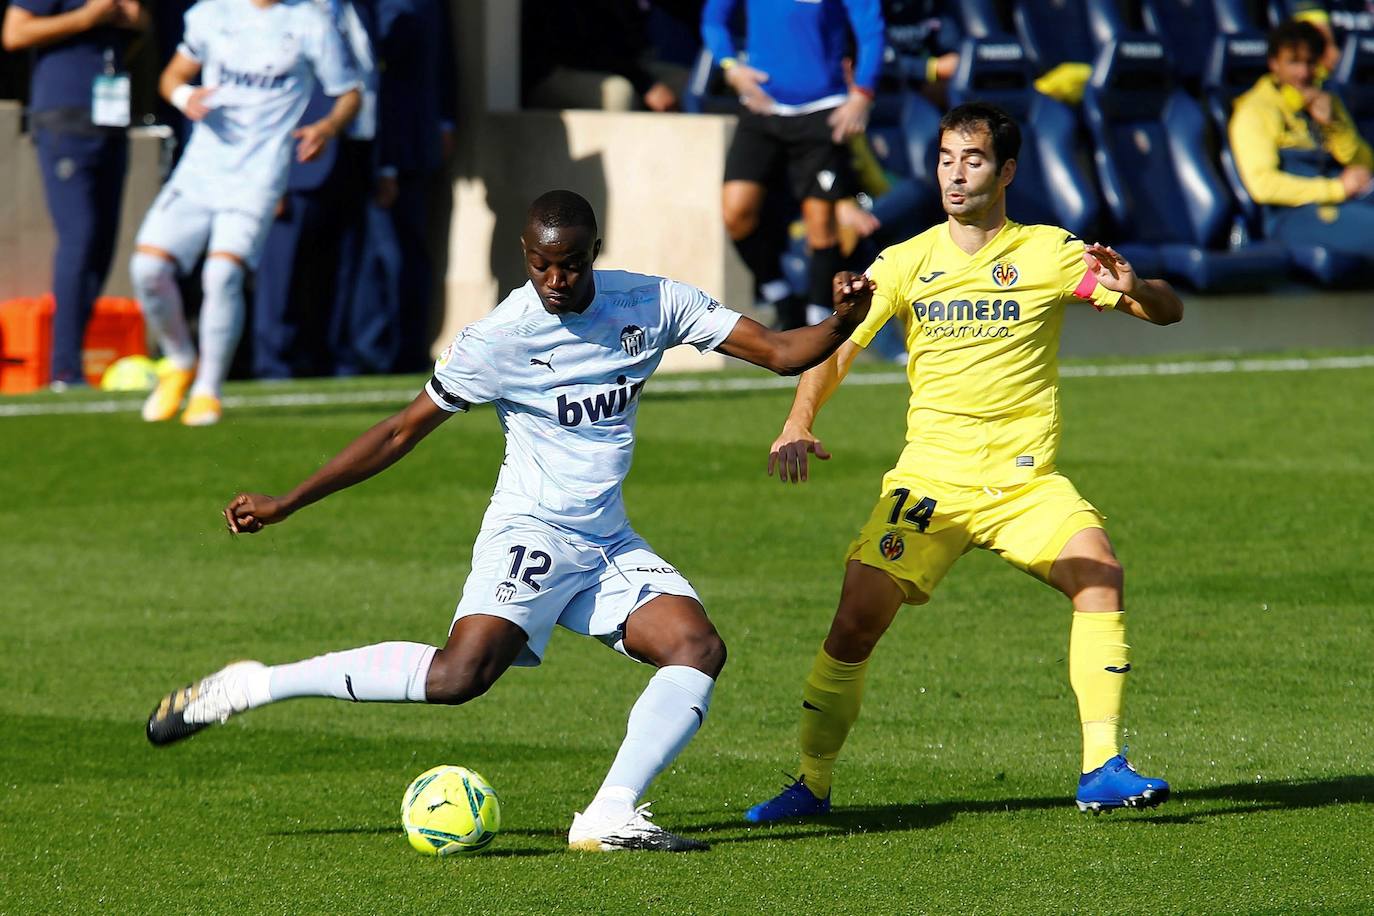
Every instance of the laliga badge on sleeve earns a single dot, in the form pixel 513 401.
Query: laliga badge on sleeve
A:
pixel 110 100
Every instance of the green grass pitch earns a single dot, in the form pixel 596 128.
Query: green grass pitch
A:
pixel 1240 505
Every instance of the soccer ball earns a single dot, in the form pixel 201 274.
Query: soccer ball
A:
pixel 450 810
pixel 130 373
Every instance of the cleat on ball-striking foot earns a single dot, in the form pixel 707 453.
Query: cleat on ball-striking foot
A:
pixel 209 701
pixel 1116 784
pixel 794 801
pixel 636 832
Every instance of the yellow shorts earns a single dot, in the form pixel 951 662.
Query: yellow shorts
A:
pixel 920 527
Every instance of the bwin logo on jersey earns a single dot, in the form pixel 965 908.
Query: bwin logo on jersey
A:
pixel 598 406
pixel 632 339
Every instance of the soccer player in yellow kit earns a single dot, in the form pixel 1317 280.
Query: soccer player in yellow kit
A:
pixel 982 299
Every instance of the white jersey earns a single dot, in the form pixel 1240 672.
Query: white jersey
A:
pixel 263 63
pixel 566 389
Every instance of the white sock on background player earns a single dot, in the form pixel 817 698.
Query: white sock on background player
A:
pixel 154 280
pixel 388 672
pixel 665 717
pixel 221 323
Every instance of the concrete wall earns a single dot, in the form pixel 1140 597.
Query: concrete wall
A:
pixel 26 236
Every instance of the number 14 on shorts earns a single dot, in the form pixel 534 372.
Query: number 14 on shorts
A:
pixel 918 516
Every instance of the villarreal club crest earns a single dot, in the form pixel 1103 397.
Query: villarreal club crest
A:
pixel 1004 274
pixel 892 546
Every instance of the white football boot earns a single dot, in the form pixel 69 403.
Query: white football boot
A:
pixel 635 832
pixel 210 700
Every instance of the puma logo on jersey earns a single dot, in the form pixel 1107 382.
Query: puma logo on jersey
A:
pixel 546 363
pixel 599 406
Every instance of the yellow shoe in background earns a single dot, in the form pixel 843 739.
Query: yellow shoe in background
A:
pixel 204 410
pixel 166 398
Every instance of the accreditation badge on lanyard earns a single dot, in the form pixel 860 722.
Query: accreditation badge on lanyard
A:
pixel 110 96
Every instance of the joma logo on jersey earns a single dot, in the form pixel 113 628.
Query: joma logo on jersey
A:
pixel 968 310
pixel 1005 274
pixel 229 77
pixel 598 406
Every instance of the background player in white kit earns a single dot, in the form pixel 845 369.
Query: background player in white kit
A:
pixel 563 359
pixel 258 61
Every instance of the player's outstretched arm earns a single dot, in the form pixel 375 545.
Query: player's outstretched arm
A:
pixel 372 452
pixel 1152 300
pixel 311 139
pixel 793 352
pixel 789 452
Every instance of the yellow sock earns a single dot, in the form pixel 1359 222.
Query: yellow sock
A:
pixel 1098 661
pixel 830 704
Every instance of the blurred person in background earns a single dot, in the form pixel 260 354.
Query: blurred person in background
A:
pixel 310 260
pixel 599 58
pixel 381 323
pixel 78 113
pixel 1298 151
pixel 800 111
pixel 922 44
pixel 258 61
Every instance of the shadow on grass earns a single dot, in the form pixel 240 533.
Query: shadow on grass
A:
pixel 1243 798
pixel 499 852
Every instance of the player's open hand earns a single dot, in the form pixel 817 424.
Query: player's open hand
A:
pixel 747 83
pixel 852 294
pixel 197 103
pixel 789 453
pixel 249 513
pixel 1111 269
pixel 311 140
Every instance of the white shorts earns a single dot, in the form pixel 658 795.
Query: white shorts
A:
pixel 182 225
pixel 534 576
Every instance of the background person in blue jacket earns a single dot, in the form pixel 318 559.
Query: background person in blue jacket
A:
pixel 799 111
pixel 384 325
pixel 78 113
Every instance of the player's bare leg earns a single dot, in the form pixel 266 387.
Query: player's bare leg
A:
pixel 822 237
pixel 479 650
pixel 1088 572
pixel 741 206
pixel 869 601
pixel 672 633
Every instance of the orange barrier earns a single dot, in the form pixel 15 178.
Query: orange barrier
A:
pixel 115 330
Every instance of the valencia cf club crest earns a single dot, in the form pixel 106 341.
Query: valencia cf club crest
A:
pixel 632 339
pixel 1005 274
pixel 892 546
pixel 505 592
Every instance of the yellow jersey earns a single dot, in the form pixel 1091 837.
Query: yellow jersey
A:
pixel 982 334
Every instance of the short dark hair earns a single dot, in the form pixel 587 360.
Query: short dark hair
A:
pixel 562 208
pixel 971 116
pixel 1295 33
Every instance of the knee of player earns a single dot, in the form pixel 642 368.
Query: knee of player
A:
pixel 702 649
pixel 740 222
pixel 453 681
pixel 221 276
pixel 148 272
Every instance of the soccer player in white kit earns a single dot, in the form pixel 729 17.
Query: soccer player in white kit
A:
pixel 259 61
pixel 563 359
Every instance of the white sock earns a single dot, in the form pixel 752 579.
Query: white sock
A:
pixel 389 672
pixel 154 280
pixel 221 323
pixel 664 718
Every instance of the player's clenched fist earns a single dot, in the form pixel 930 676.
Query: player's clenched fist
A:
pixel 852 293
pixel 247 513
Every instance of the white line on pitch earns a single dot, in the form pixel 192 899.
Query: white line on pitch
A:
pixel 706 385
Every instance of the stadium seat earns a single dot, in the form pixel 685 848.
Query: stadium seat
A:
pixel 1353 81
pixel 1067 30
pixel 1187 28
pixel 1234 65
pixel 1157 180
pixel 1344 20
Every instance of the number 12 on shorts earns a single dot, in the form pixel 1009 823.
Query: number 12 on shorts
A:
pixel 538 565
pixel 918 516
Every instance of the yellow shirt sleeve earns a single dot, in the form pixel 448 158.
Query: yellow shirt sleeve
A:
pixel 1342 138
pixel 1078 282
pixel 888 276
pixel 1255 129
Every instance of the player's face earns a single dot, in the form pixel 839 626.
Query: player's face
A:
pixel 971 183
pixel 1294 66
pixel 558 261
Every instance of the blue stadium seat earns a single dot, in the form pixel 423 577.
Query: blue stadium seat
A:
pixel 1157 181
pixel 1345 18
pixel 1066 30
pixel 1353 81
pixel 1188 29
pixel 1236 62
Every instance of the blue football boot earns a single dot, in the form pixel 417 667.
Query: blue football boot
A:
pixel 1116 784
pixel 795 800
